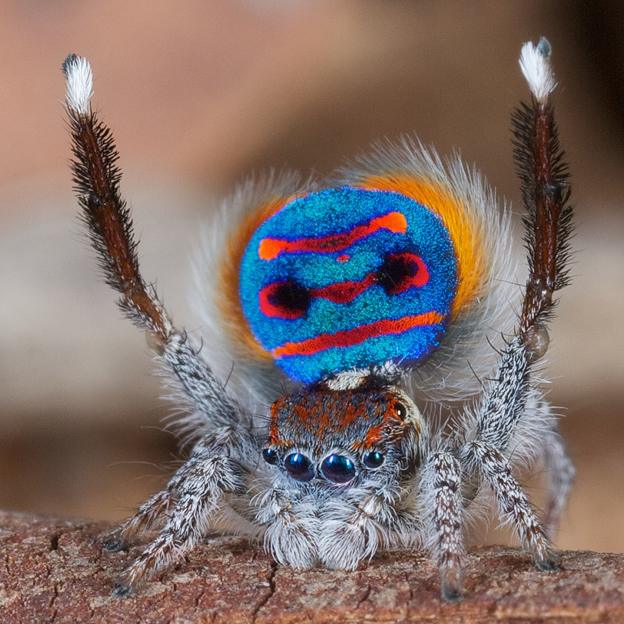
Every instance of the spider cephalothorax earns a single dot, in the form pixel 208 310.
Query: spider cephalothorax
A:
pixel 331 302
pixel 343 438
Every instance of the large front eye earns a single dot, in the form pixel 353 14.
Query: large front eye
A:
pixel 285 300
pixel 299 467
pixel 338 468
pixel 402 271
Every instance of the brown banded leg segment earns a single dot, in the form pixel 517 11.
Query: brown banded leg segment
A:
pixel 544 182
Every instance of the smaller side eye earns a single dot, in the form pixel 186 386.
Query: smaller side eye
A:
pixel 270 456
pixel 373 459
pixel 401 410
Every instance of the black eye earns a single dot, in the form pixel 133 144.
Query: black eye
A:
pixel 338 468
pixel 373 459
pixel 400 272
pixel 401 410
pixel 270 456
pixel 299 467
pixel 287 300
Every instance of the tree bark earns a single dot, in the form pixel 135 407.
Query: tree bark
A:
pixel 56 571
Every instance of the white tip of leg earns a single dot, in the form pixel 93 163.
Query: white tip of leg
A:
pixel 78 82
pixel 535 65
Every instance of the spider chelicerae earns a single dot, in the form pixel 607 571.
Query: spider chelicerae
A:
pixel 343 306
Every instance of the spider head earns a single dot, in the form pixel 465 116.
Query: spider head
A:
pixel 341 438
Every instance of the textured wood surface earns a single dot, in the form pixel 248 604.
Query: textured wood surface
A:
pixel 56 571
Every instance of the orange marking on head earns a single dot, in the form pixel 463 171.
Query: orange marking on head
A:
pixel 392 415
pixel 391 427
pixel 273 429
pixel 350 415
pixel 465 234
pixel 373 436
pixel 304 416
pixel 229 304
pixel 324 422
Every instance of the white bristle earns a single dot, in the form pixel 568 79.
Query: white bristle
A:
pixel 79 83
pixel 535 65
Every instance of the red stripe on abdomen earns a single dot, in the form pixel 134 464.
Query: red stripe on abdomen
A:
pixel 349 337
pixel 271 248
pixel 344 292
pixel 289 300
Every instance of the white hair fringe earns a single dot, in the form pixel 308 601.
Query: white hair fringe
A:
pixel 78 83
pixel 536 68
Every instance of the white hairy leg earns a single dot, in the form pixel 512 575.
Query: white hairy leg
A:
pixel 560 473
pixel 194 495
pixel 149 514
pixel 443 514
pixel 513 504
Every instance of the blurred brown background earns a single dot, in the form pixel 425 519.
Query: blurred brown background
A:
pixel 199 94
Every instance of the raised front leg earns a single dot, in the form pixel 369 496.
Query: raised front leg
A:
pixel 97 180
pixel 548 224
